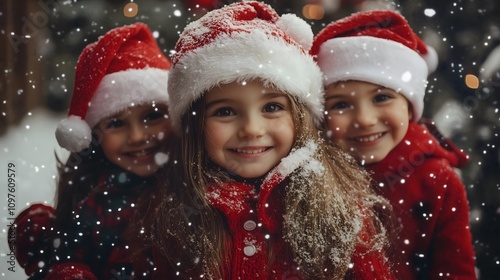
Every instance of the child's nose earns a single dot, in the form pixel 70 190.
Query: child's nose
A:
pixel 365 117
pixel 138 133
pixel 251 127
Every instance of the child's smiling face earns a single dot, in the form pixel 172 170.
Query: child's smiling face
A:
pixel 366 119
pixel 133 138
pixel 248 127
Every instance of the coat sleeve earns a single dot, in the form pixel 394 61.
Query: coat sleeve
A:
pixel 452 253
pixel 31 238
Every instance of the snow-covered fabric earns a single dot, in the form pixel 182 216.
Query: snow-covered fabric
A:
pixel 125 67
pixel 96 235
pixel 255 221
pixel 240 42
pixel 378 47
pixel 430 202
pixel 255 218
pixel 254 215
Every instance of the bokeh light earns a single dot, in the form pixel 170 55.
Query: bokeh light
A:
pixel 472 81
pixel 311 11
pixel 130 10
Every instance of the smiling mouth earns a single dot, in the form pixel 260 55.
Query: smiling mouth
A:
pixel 142 153
pixel 367 139
pixel 250 151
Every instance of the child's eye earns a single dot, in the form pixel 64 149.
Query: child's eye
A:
pixel 339 106
pixel 272 107
pixel 381 98
pixel 156 115
pixel 113 123
pixel 224 112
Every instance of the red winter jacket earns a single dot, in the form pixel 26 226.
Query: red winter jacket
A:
pixel 430 202
pixel 254 217
pixel 254 220
pixel 254 225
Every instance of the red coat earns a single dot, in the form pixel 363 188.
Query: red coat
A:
pixel 255 219
pixel 430 202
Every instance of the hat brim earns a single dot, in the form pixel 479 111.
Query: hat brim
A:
pixel 378 61
pixel 245 56
pixel 120 90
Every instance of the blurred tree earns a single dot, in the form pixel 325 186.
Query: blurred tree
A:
pixel 22 27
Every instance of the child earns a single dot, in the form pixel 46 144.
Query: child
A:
pixel 375 73
pixel 262 196
pixel 117 130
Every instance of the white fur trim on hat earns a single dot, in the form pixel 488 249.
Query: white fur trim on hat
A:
pixel 120 90
pixel 245 56
pixel 378 61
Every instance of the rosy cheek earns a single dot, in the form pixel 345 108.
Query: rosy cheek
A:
pixel 344 145
pixel 335 135
pixel 336 130
pixel 282 125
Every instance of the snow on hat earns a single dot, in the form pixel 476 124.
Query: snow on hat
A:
pixel 244 41
pixel 125 67
pixel 377 47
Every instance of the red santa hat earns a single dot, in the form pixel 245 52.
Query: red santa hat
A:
pixel 244 41
pixel 125 67
pixel 377 47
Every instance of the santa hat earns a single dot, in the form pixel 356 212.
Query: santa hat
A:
pixel 125 67
pixel 244 41
pixel 377 47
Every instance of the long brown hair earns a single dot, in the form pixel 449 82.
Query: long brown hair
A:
pixel 328 206
pixel 331 207
pixel 77 176
pixel 184 221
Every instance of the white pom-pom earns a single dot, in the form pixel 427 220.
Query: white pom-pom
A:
pixel 73 134
pixel 299 30
pixel 431 59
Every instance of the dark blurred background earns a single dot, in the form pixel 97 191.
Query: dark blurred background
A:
pixel 40 41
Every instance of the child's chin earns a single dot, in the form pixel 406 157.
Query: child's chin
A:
pixel 368 160
pixel 144 171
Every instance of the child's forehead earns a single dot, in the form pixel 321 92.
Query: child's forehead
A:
pixel 355 83
pixel 253 85
pixel 355 86
pixel 138 108
pixel 258 82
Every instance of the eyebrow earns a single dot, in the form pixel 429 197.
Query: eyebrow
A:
pixel 328 97
pixel 272 95
pixel 343 95
pixel 216 101
pixel 381 88
pixel 118 115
